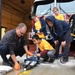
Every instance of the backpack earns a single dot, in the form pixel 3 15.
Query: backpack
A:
pixel 30 62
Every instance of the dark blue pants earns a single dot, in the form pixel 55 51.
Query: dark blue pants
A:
pixel 4 51
pixel 65 48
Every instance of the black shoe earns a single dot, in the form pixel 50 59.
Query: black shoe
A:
pixel 63 60
pixel 44 60
pixel 51 60
pixel 7 63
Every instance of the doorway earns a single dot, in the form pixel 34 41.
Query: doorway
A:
pixel 3 31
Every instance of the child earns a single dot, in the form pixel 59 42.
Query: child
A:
pixel 46 50
pixel 39 27
pixel 63 31
pixel 58 16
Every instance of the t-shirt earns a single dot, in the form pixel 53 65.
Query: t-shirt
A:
pixel 60 17
pixel 38 27
pixel 44 45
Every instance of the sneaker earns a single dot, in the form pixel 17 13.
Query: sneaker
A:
pixel 44 60
pixel 63 61
pixel 51 60
pixel 60 55
pixel 7 63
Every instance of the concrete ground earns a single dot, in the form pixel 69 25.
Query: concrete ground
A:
pixel 46 68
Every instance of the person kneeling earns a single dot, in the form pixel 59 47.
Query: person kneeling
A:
pixel 46 50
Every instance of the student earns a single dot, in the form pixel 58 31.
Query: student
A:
pixel 46 50
pixel 58 16
pixel 39 26
pixel 62 29
pixel 15 44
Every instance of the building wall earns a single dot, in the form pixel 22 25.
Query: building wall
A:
pixel 12 17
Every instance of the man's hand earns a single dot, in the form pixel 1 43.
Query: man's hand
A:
pixel 63 43
pixel 17 66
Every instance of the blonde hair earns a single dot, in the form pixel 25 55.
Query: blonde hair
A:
pixel 55 8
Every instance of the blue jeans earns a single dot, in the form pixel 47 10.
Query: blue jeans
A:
pixel 4 51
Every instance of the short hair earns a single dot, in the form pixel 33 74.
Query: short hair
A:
pixel 55 8
pixel 35 37
pixel 21 25
pixel 33 15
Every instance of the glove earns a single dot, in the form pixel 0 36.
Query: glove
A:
pixel 17 66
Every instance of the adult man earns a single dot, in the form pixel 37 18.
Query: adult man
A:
pixel 62 30
pixel 15 44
